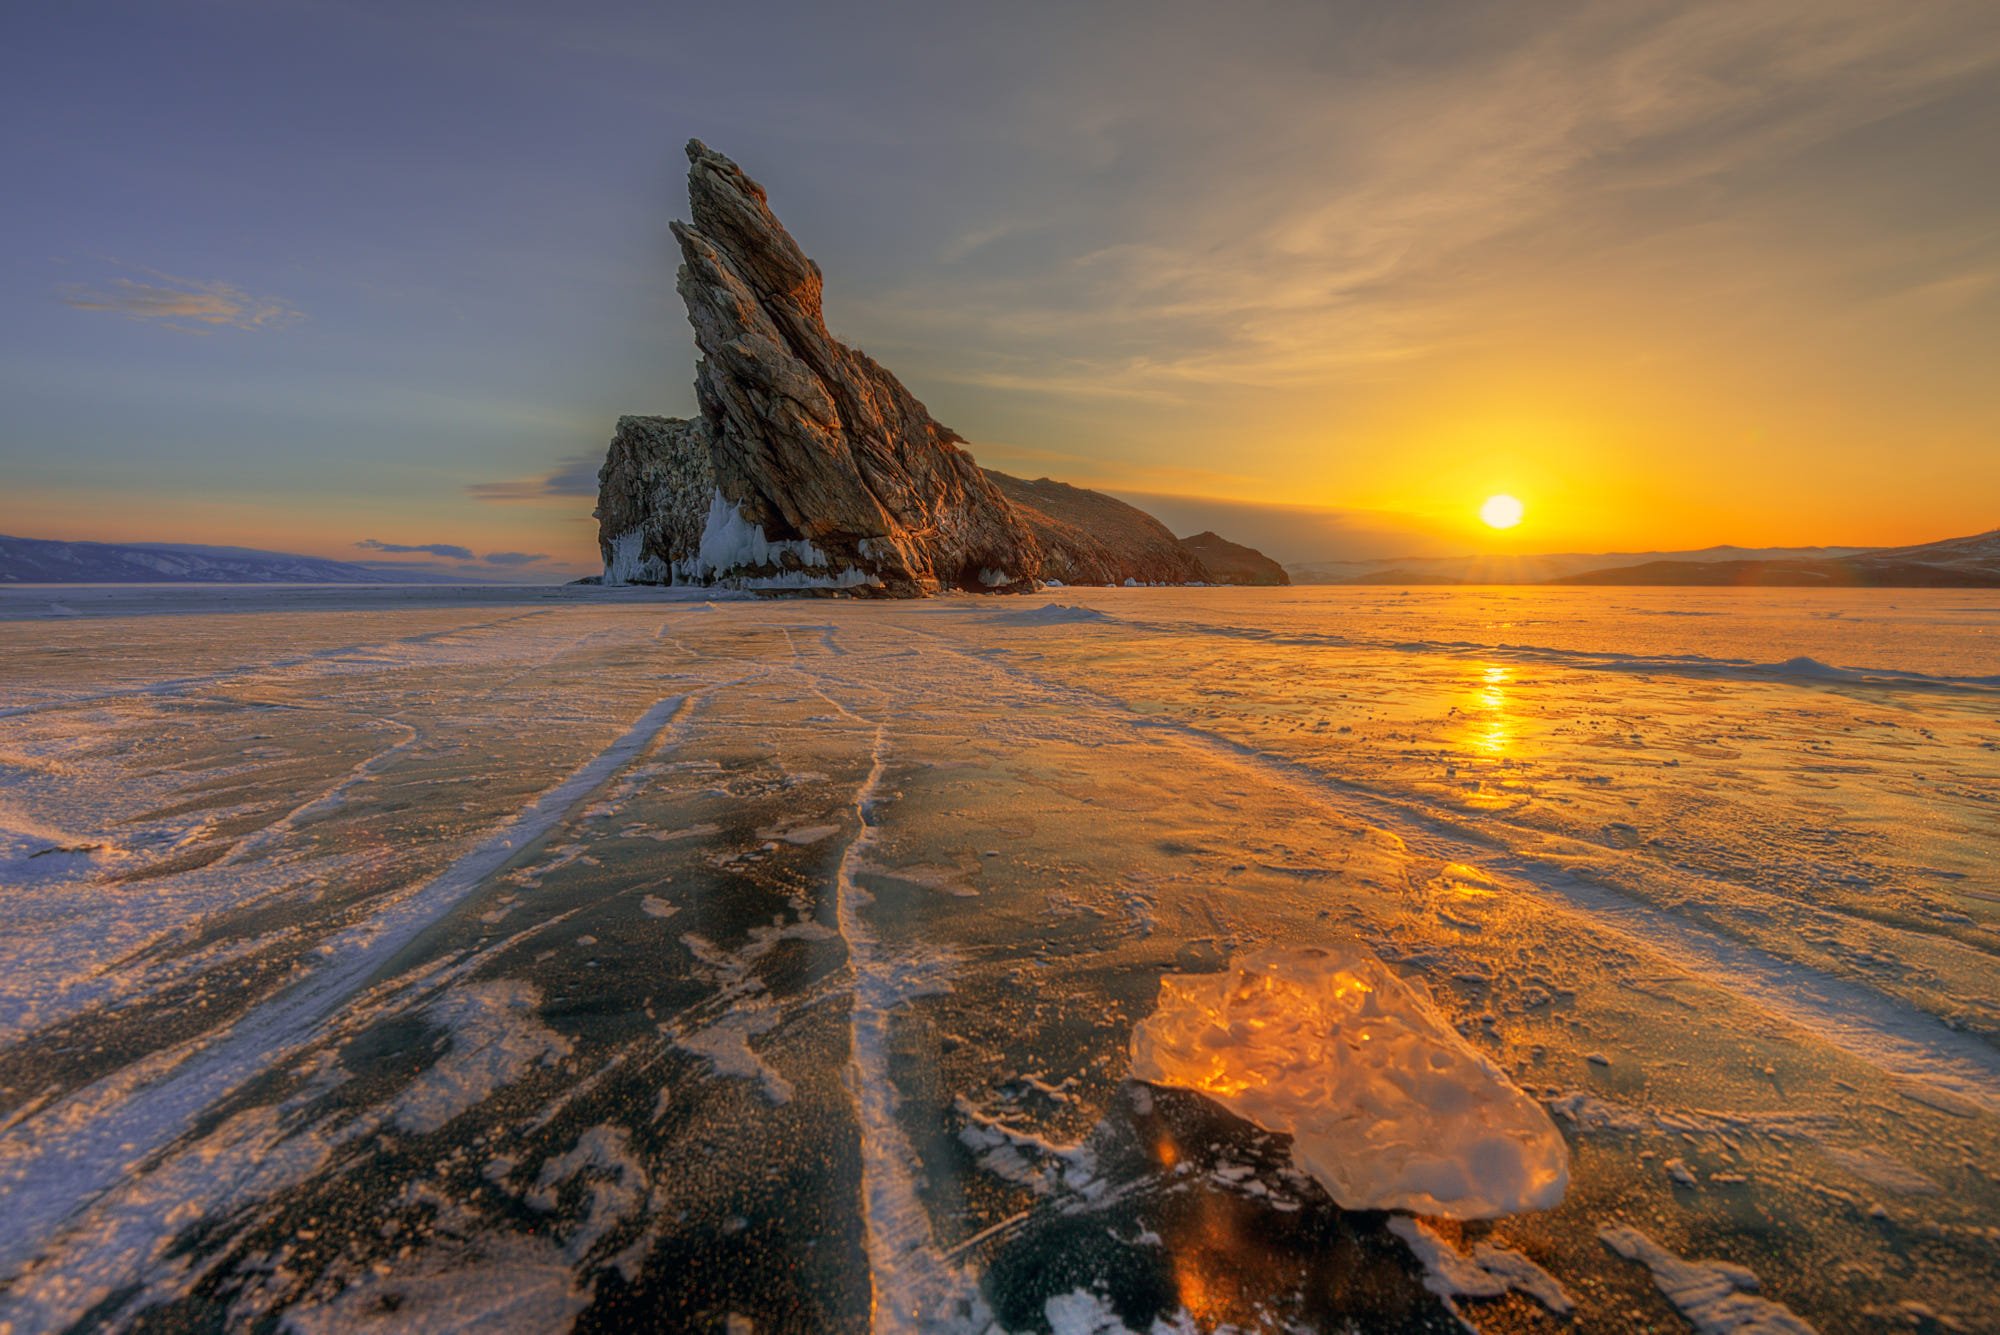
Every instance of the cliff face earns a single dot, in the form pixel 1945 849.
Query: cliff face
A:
pixel 811 467
pixel 821 470
pixel 1090 538
pixel 653 497
pixel 1233 563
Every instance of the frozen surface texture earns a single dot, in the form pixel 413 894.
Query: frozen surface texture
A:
pixel 1387 1107
pixel 642 958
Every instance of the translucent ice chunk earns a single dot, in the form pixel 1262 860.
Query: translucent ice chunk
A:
pixel 1388 1108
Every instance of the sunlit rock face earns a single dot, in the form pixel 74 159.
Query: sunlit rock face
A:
pixel 1388 1108
pixel 1090 538
pixel 826 472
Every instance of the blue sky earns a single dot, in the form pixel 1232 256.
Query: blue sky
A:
pixel 310 275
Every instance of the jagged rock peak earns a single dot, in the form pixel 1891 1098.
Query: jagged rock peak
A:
pixel 821 469
pixel 812 467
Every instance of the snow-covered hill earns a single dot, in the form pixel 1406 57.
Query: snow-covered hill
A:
pixel 1976 555
pixel 40 561
pixel 1532 568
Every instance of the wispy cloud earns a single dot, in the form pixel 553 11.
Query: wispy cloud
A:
pixel 575 476
pixel 1422 197
pixel 446 549
pixel 514 558
pixel 189 305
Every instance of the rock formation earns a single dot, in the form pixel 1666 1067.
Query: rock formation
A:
pixel 653 498
pixel 811 467
pixel 1090 538
pixel 1233 563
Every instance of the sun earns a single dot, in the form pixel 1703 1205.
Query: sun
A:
pixel 1502 511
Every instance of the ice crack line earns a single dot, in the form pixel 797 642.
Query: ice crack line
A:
pixel 52 1178
pixel 913 1287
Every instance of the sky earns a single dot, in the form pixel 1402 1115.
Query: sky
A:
pixel 350 278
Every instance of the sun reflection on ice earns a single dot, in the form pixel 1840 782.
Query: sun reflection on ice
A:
pixel 1492 732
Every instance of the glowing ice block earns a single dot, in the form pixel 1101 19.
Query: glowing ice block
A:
pixel 1388 1108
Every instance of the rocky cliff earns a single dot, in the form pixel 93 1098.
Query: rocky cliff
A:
pixel 810 466
pixel 1090 538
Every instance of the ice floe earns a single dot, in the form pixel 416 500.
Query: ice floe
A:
pixel 1388 1108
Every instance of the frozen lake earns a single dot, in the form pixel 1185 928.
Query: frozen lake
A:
pixel 506 958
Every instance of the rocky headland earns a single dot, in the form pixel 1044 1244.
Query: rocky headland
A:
pixel 1233 563
pixel 811 467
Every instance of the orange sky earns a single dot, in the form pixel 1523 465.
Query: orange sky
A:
pixel 1674 274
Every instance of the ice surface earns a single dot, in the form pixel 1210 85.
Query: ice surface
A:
pixel 505 1284
pixel 1387 1107
pixel 439 952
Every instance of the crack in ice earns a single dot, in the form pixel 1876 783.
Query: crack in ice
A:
pixel 913 1287
pixel 56 1178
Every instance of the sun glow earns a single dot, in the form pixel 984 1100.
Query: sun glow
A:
pixel 1502 511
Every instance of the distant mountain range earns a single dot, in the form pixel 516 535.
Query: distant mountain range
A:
pixel 1972 562
pixel 40 561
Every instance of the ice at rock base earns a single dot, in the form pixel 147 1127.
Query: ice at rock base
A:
pixel 1388 1108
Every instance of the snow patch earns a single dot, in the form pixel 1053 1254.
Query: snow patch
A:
pixel 1024 1158
pixel 1082 1312
pixel 615 1185
pixel 1388 1108
pixel 1489 1272
pixel 496 1037
pixel 1717 1298
pixel 1051 614
pixel 726 1046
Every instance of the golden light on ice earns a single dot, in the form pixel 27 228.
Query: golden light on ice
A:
pixel 1502 511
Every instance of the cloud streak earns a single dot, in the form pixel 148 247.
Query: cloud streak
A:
pixel 575 476
pixel 445 549
pixel 187 305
